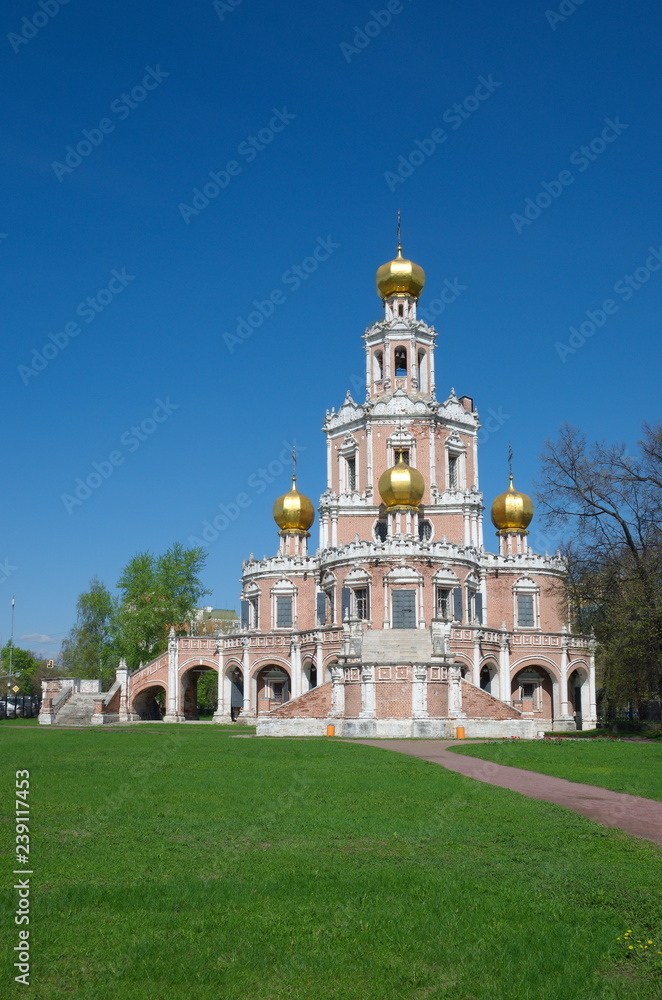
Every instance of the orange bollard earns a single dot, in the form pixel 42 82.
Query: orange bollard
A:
pixel 330 730
pixel 459 732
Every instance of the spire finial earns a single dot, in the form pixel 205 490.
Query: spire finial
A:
pixel 510 459
pixel 294 464
pixel 399 239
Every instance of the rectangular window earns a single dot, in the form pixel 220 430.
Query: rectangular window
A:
pixel 283 612
pixel 525 617
pixel 321 609
pixel 452 472
pixel 457 604
pixel 443 604
pixel 361 603
pixel 253 612
pixel 351 475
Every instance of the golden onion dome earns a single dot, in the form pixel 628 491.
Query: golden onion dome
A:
pixel 293 512
pixel 400 277
pixel 401 486
pixel 512 511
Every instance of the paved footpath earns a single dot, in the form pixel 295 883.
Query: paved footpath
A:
pixel 638 816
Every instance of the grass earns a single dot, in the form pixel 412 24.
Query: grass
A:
pixel 173 863
pixel 635 768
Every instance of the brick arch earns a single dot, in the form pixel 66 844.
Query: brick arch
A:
pixel 140 703
pixel 197 661
pixel 551 683
pixel 264 661
pixel 536 661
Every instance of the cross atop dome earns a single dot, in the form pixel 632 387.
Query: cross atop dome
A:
pixel 400 279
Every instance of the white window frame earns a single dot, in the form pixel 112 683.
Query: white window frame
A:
pixel 525 587
pixel 284 588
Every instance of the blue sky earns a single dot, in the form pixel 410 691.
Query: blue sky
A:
pixel 318 122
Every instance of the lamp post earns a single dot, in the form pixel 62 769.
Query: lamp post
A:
pixel 11 641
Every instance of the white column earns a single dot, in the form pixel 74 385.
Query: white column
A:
pixel 433 381
pixel 433 458
pixel 319 660
pixel 421 605
pixel 173 710
pixel 368 440
pixel 122 675
pixel 481 541
pixel 475 454
pixel 329 463
pixel 334 529
pixel 504 670
pixel 565 707
pixel 593 706
pixel 338 692
pixel 295 661
pixel 467 528
pixel 419 694
pixel 245 666
pixel 367 692
pixel 455 691
pixel 386 608
pixel 476 662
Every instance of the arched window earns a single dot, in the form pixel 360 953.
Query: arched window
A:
pixel 378 366
pixel 400 359
pixel 381 531
pixel 424 531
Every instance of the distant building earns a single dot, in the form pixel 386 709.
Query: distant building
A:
pixel 401 623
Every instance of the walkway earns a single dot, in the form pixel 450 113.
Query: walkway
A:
pixel 631 813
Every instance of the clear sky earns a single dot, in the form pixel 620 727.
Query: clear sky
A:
pixel 302 126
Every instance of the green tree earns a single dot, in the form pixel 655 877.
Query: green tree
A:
pixel 156 593
pixel 611 502
pixel 27 667
pixel 90 649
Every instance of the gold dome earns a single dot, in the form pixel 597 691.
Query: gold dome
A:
pixel 400 277
pixel 512 511
pixel 293 512
pixel 401 486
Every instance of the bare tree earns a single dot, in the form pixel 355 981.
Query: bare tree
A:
pixel 610 502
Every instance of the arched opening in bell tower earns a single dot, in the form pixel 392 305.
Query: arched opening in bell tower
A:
pixel 400 361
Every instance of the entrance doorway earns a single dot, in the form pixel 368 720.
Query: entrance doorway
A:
pixel 404 609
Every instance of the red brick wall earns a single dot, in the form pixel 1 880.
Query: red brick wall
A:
pixel 315 704
pixel 438 699
pixel 352 700
pixel 478 704
pixel 393 700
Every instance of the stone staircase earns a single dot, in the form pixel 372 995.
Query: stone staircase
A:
pixel 77 710
pixel 397 645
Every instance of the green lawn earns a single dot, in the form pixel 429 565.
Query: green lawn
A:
pixel 635 768
pixel 175 863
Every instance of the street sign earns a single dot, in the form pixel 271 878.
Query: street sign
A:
pixel 15 688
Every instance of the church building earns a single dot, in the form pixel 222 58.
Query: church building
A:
pixel 401 622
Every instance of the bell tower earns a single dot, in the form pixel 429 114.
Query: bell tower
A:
pixel 400 349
